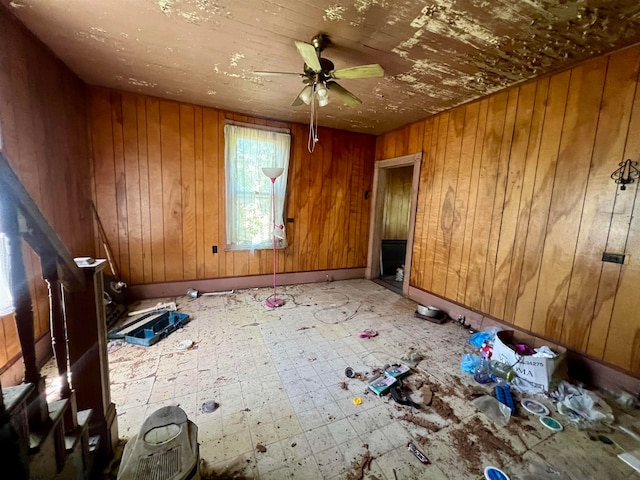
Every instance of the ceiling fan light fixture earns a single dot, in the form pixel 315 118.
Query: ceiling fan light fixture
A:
pixel 322 91
pixel 323 95
pixel 307 94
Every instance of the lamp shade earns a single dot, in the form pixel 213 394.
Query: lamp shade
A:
pixel 272 172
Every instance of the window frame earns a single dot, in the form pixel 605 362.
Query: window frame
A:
pixel 231 244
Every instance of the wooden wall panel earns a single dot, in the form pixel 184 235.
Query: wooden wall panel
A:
pixel 595 223
pixel 567 202
pixel 460 207
pixel 486 194
pixel 512 197
pixel 554 108
pixel 515 212
pixel 162 176
pixel 440 150
pixel 499 222
pixel 43 132
pixel 397 200
pixel 473 201
pixel 447 216
pixel 421 207
pixel 618 235
pixel 526 198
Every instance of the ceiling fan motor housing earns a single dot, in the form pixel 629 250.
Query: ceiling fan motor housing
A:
pixel 320 41
pixel 324 75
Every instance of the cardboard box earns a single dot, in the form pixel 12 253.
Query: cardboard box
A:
pixel 542 373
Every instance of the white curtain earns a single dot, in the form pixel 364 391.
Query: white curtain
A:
pixel 248 201
pixel 6 302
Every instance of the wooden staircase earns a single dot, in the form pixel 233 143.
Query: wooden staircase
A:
pixel 74 436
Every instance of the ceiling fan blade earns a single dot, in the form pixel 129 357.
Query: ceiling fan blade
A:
pixel 361 71
pixel 306 92
pixel 348 98
pixel 268 74
pixel 310 56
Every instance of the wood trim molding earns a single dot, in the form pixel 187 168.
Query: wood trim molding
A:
pixel 379 177
pixel 176 289
pixel 417 163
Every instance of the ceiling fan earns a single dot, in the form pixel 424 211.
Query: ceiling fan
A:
pixel 320 75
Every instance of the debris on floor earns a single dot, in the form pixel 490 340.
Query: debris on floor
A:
pixel 420 421
pixel 426 395
pixel 170 306
pixel 587 407
pixel 360 465
pixel 412 357
pixel 209 406
pixel 368 334
pixel 193 293
pixel 114 346
pixel 295 394
pixel 444 410
pixel 496 411
pixel 185 344
pixel 418 454
pixel 474 441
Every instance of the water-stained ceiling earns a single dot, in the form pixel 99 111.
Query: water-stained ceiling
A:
pixel 436 54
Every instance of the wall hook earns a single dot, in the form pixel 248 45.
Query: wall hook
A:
pixel 626 174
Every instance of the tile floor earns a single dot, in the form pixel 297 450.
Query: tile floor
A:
pixel 278 376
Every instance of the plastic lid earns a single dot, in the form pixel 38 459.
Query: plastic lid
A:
pixel 533 406
pixel 551 423
pixel 493 473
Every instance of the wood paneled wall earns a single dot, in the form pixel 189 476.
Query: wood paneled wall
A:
pixel 516 206
pixel 397 201
pixel 43 126
pixel 160 192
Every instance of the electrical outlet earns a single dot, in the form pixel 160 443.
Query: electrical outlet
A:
pixel 613 257
pixel 214 249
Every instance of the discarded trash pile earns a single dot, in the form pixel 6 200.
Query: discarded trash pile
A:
pixel 516 364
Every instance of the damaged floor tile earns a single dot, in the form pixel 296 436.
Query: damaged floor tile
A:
pixel 278 378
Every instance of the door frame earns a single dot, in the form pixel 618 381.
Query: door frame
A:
pixel 375 221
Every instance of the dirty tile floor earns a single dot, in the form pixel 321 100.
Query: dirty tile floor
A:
pixel 279 379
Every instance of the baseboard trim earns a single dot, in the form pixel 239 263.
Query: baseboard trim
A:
pixel 583 368
pixel 175 289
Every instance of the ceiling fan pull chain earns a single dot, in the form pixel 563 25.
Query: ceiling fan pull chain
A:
pixel 313 124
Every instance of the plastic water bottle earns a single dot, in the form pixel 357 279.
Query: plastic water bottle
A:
pixel 483 372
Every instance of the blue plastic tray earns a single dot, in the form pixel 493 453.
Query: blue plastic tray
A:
pixel 151 328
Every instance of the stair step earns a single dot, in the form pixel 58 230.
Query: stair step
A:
pixel 56 412
pixel 71 439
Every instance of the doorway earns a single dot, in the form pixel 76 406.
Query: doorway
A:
pixel 395 195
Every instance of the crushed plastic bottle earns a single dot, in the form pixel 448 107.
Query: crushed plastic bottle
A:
pixel 502 370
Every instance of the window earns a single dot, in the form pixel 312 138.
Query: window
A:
pixel 248 202
pixel 6 302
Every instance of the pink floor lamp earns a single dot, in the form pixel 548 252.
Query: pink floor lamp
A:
pixel 273 301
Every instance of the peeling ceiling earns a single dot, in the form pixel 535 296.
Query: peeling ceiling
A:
pixel 436 54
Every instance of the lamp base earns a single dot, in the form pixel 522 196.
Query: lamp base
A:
pixel 274 302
